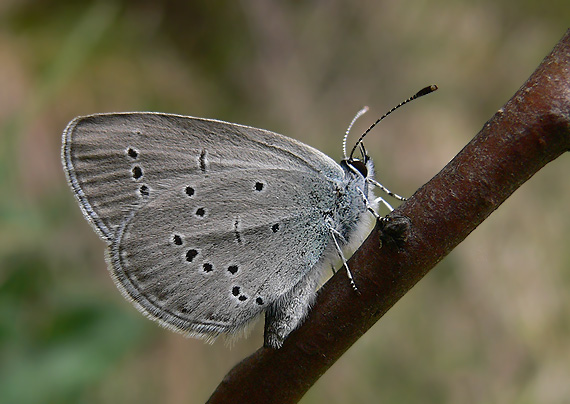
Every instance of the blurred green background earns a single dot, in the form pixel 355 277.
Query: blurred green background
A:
pixel 490 324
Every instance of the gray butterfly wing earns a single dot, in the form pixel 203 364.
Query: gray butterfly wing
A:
pixel 206 262
pixel 115 162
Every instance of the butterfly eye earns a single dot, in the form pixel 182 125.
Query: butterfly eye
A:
pixel 360 166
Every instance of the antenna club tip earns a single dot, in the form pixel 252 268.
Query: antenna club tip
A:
pixel 426 90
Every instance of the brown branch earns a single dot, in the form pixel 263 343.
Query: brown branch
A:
pixel 532 129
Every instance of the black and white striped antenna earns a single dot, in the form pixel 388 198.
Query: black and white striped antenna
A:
pixel 421 93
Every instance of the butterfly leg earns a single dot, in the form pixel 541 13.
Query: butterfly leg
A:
pixel 287 312
pixel 380 199
pixel 386 190
pixel 334 233
pixel 371 209
pixel 333 269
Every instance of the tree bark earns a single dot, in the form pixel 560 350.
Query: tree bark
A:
pixel 532 129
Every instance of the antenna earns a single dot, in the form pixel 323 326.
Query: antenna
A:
pixel 421 93
pixel 358 115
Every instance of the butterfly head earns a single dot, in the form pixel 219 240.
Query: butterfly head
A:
pixel 359 169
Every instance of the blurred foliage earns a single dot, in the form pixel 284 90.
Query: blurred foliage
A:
pixel 489 324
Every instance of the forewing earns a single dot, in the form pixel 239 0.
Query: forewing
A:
pixel 115 163
pixel 207 263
